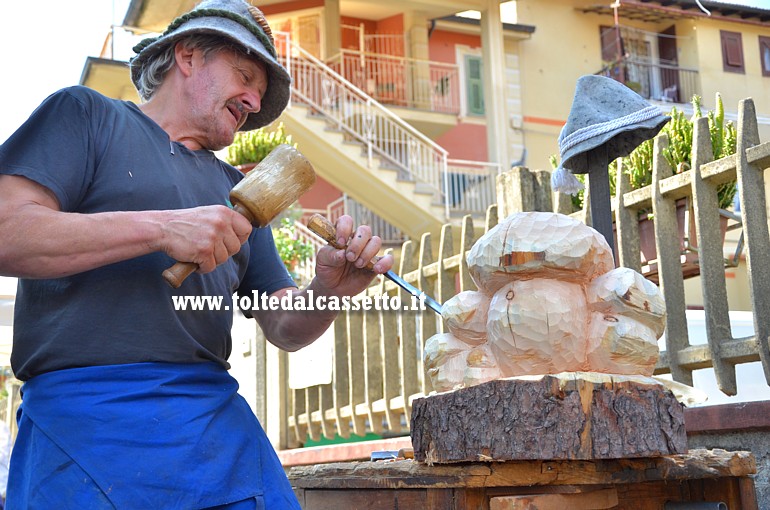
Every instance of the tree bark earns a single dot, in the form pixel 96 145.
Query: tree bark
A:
pixel 564 416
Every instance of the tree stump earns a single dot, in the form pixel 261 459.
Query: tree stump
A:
pixel 565 416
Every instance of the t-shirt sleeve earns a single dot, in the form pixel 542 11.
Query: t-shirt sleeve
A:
pixel 266 272
pixel 54 148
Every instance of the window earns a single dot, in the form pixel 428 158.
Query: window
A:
pixel 764 54
pixel 474 86
pixel 732 52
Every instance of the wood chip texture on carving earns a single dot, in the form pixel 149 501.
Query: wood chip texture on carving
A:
pixel 549 301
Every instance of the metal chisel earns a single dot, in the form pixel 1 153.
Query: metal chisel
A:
pixel 323 228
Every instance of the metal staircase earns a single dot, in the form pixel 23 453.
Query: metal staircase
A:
pixel 365 150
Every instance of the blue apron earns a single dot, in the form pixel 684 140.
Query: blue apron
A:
pixel 142 436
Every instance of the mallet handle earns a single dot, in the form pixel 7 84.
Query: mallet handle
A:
pixel 177 273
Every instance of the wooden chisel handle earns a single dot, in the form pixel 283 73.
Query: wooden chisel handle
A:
pixel 324 229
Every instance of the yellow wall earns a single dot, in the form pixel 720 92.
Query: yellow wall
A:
pixel 732 86
pixel 566 45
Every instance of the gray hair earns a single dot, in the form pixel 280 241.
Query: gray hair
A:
pixel 154 70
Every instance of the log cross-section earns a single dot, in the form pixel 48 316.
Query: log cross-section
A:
pixel 564 416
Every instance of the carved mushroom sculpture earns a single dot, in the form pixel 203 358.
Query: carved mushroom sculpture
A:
pixel 549 301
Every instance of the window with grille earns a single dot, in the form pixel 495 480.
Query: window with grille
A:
pixel 732 51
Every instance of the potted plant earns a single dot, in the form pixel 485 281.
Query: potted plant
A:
pixel 251 147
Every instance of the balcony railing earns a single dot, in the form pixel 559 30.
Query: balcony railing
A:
pixel 471 186
pixel 657 81
pixel 402 82
pixel 377 367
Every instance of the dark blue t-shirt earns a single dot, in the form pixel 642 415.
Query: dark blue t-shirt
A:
pixel 97 154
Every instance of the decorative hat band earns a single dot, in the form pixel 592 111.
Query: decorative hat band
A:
pixel 593 130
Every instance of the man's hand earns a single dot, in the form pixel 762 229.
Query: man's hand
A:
pixel 343 272
pixel 206 235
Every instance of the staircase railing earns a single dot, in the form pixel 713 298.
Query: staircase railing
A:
pixel 382 133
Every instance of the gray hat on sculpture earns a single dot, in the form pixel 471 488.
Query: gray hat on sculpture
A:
pixel 604 112
pixel 242 24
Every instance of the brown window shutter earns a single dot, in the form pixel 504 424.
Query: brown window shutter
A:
pixel 732 51
pixel 764 54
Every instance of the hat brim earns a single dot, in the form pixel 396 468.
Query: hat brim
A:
pixel 606 113
pixel 619 143
pixel 278 80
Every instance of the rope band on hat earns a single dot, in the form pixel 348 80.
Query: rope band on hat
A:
pixel 267 41
pixel 593 130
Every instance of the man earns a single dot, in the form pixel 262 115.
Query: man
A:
pixel 127 402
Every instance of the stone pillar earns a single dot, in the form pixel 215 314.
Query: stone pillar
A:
pixel 416 47
pixel 332 36
pixel 493 64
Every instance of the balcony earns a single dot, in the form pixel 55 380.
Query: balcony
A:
pixel 656 81
pixel 425 93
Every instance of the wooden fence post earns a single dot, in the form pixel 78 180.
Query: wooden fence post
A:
pixel 356 369
pixel 340 375
pixel 390 352
pixel 751 183
pixel 669 266
pixel 409 345
pixel 427 319
pixel 627 224
pixel 710 258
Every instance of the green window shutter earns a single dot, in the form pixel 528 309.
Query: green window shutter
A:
pixel 474 87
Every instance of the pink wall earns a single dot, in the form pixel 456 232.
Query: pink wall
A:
pixel 320 195
pixel 441 46
pixel 392 25
pixel 350 37
pixel 466 140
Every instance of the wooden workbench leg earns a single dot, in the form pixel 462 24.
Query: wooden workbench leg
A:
pixel 748 493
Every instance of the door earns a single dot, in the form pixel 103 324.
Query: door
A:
pixel 669 77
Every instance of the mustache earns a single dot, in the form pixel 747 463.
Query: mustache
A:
pixel 239 106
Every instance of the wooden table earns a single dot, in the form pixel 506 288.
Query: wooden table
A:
pixel 637 484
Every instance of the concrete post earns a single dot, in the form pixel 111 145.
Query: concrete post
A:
pixel 493 63
pixel 332 36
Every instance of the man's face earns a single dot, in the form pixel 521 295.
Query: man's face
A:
pixel 225 88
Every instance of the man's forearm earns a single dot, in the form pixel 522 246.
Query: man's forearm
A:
pixel 42 243
pixel 294 329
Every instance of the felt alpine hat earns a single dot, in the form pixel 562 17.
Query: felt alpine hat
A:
pixel 604 112
pixel 241 23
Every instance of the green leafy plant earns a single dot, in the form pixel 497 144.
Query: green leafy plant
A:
pixel 638 164
pixel 253 146
pixel 292 251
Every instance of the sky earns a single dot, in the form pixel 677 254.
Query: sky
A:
pixel 38 61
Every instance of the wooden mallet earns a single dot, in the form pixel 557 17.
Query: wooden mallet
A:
pixel 269 188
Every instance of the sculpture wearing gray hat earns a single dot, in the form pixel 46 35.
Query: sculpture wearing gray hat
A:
pixel 607 114
pixel 237 22
pixel 608 120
